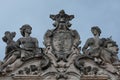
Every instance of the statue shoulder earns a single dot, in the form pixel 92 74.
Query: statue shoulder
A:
pixel 34 39
pixel 90 40
pixel 19 40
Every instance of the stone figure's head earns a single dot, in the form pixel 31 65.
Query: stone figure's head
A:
pixel 8 36
pixel 96 30
pixel 25 29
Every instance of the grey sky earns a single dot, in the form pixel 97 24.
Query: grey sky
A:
pixel 88 13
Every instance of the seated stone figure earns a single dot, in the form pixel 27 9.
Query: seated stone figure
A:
pixel 26 48
pixel 102 50
pixel 29 45
pixel 92 45
pixel 11 53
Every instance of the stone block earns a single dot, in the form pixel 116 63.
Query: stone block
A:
pixel 92 77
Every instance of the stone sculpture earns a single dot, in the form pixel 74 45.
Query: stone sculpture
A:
pixel 61 39
pixel 61 59
pixel 11 53
pixel 21 50
pixel 92 45
pixel 29 45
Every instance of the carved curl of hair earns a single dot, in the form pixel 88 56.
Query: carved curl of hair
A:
pixel 4 39
pixel 110 41
pixel 96 28
pixel 23 28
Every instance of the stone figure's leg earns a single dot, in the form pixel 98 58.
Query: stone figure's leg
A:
pixel 14 65
pixel 9 61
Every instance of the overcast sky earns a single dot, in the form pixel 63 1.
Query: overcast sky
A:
pixel 88 13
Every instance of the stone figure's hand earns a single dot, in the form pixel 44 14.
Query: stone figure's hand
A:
pixel 48 49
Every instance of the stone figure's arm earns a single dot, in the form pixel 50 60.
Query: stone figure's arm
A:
pixel 5 51
pixel 18 42
pixel 36 43
pixel 85 46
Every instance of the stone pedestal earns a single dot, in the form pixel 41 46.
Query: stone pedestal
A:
pixel 27 78
pixel 92 77
pixel 6 78
pixel 61 59
pixel 21 78
pixel 85 77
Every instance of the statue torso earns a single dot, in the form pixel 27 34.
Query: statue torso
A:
pixel 27 43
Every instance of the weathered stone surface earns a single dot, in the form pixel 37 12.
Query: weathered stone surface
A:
pixel 22 78
pixel 6 78
pixel 27 78
pixel 61 59
pixel 94 77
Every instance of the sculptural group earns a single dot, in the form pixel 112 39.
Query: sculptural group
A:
pixel 61 59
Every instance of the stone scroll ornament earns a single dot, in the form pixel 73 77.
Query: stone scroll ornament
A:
pixel 61 58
